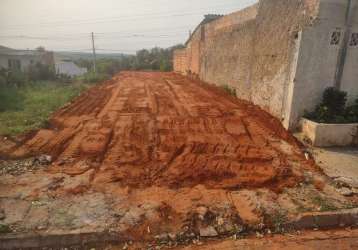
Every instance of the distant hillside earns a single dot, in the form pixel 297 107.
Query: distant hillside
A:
pixel 87 56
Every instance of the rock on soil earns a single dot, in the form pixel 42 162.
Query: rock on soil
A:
pixel 18 167
pixel 2 214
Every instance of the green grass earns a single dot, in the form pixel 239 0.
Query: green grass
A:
pixel 29 107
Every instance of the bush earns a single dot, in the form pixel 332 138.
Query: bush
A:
pixel 165 66
pixel 2 81
pixel 91 77
pixel 64 78
pixel 17 78
pixel 10 98
pixel 41 72
pixel 335 100
pixel 333 108
pixel 4 229
pixel 352 112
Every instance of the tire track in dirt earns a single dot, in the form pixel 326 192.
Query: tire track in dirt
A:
pixel 142 128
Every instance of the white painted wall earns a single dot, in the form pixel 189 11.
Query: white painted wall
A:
pixel 317 60
pixel 25 61
pixel 350 74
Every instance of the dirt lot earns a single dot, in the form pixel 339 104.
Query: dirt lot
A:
pixel 144 129
pixel 151 153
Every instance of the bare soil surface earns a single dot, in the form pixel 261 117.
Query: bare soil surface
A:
pixel 159 156
pixel 145 129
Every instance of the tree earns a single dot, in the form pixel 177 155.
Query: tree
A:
pixel 41 49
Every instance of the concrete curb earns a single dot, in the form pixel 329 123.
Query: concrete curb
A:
pixel 325 220
pixel 320 220
pixel 38 241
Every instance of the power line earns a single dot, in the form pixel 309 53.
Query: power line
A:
pixel 54 38
pixel 122 18
pixel 168 31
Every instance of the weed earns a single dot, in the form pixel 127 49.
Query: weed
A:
pixel 349 206
pixel 229 90
pixel 279 218
pixel 275 220
pixel 324 204
pixel 302 209
pixel 5 229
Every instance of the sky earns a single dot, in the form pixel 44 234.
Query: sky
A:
pixel 119 26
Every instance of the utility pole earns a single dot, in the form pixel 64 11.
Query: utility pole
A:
pixel 94 54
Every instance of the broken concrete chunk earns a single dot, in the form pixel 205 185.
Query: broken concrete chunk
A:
pixel 346 181
pixel 209 231
pixel 162 237
pixel 2 214
pixel 345 191
pixel 44 159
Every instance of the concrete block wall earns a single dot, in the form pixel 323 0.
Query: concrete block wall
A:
pixel 181 61
pixel 278 24
pixel 277 54
pixel 193 52
pixel 226 57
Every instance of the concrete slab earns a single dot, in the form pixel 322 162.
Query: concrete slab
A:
pixel 329 135
pixel 339 163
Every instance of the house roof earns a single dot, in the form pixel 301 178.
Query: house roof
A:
pixel 14 52
pixel 4 48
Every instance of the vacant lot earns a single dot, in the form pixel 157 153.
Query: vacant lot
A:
pixel 148 153
pixel 144 129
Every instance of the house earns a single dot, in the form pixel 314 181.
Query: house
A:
pixel 278 54
pixel 21 60
pixel 69 68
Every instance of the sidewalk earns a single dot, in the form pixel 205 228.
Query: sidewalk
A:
pixel 310 240
pixel 339 163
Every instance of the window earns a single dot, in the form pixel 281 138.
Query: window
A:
pixel 354 40
pixel 14 64
pixel 335 38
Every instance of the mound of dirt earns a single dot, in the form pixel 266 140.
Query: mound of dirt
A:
pixel 141 129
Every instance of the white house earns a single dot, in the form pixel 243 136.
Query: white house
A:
pixel 69 68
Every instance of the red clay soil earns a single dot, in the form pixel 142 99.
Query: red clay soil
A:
pixel 141 129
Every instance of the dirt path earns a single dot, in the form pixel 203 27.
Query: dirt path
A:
pixel 143 129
